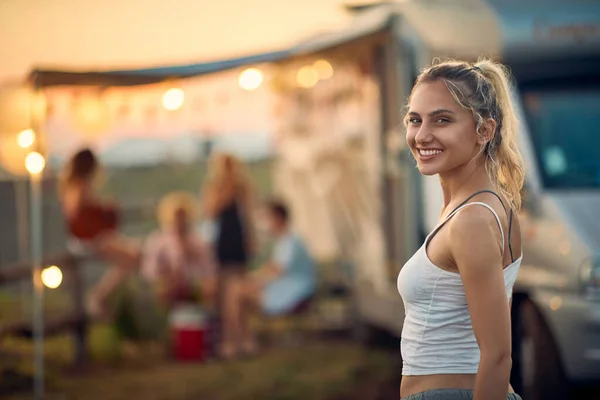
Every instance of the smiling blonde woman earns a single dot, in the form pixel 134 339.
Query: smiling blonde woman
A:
pixel 456 289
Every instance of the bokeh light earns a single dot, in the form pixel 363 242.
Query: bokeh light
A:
pixel 26 138
pixel 35 162
pixel 250 79
pixel 307 77
pixel 52 277
pixel 323 69
pixel 173 99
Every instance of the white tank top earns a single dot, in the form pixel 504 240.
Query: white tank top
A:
pixel 437 335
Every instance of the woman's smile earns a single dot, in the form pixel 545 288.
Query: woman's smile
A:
pixel 428 154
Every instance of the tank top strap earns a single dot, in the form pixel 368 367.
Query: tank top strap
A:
pixel 460 207
pixel 437 228
pixel 479 192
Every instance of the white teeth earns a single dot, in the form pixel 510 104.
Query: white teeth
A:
pixel 429 152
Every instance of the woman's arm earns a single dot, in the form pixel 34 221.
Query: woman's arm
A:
pixel 281 261
pixel 476 245
pixel 74 197
pixel 247 208
pixel 267 273
pixel 210 200
pixel 252 240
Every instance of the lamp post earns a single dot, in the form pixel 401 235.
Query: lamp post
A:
pixel 22 110
pixel 35 163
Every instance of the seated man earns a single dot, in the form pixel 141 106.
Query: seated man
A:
pixel 176 258
pixel 287 280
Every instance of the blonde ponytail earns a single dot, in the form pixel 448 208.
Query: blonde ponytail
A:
pixel 506 163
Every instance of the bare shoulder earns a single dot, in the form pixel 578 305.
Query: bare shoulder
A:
pixel 72 196
pixel 475 227
pixel 475 218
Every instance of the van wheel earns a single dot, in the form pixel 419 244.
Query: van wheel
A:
pixel 541 372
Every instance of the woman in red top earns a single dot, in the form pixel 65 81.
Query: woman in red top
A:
pixel 94 223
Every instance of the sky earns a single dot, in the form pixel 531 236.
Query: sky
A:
pixel 91 34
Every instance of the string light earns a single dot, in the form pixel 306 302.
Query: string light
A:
pixel 323 69
pixel 307 77
pixel 52 277
pixel 26 138
pixel 173 99
pixel 35 163
pixel 250 79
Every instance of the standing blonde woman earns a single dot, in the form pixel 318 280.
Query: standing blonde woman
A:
pixel 227 201
pixel 456 339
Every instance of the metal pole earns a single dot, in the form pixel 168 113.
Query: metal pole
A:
pixel 38 287
pixel 20 186
pixel 36 239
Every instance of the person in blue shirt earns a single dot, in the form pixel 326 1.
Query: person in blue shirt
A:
pixel 285 281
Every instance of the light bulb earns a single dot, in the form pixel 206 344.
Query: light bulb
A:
pixel 173 99
pixel 35 162
pixel 26 138
pixel 323 69
pixel 250 79
pixel 52 277
pixel 307 77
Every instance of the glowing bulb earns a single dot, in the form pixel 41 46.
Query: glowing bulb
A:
pixel 52 277
pixel 555 303
pixel 323 69
pixel 35 162
pixel 26 138
pixel 250 79
pixel 173 99
pixel 564 247
pixel 307 77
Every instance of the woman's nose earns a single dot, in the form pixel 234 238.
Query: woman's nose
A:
pixel 423 135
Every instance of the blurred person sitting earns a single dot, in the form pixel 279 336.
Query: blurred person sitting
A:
pixel 283 283
pixel 176 258
pixel 93 223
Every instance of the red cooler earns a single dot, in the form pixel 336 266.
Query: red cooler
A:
pixel 188 332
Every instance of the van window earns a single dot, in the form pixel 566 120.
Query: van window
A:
pixel 564 122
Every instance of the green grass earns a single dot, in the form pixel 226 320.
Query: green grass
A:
pixel 321 370
pixel 143 183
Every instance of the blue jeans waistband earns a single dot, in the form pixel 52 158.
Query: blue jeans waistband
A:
pixel 450 394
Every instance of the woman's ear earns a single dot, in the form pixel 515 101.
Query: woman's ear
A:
pixel 487 131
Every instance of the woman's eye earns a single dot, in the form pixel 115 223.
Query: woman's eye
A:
pixel 413 121
pixel 442 120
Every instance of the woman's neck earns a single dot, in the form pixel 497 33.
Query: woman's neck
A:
pixel 458 184
pixel 179 234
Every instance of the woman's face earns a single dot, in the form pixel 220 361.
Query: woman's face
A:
pixel 181 220
pixel 275 223
pixel 440 133
pixel 223 164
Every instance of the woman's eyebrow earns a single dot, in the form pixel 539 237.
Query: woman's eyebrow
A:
pixel 433 113
pixel 440 111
